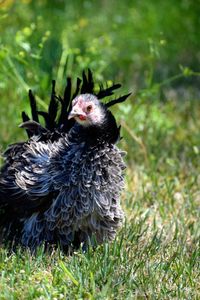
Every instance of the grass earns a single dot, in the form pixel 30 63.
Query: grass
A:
pixel 156 254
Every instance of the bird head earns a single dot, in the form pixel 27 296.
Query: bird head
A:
pixel 87 110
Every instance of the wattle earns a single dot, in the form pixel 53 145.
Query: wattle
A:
pixel 82 118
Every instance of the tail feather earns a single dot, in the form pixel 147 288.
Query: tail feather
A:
pixel 26 118
pixel 78 84
pixel 90 80
pixel 65 102
pixel 85 87
pixel 59 122
pixel 53 108
pixel 108 91
pixel 118 100
pixel 33 107
pixel 46 118
pixel 88 83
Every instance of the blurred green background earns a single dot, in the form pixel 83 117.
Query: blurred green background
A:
pixel 152 48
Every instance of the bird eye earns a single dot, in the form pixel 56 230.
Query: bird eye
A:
pixel 89 108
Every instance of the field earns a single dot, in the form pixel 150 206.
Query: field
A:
pixel 153 50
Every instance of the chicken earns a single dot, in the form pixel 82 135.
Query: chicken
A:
pixel 63 185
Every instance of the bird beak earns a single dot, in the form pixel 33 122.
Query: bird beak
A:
pixel 71 115
pixel 75 112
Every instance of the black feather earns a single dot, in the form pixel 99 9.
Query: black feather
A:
pixel 83 86
pixel 26 118
pixel 84 83
pixel 108 91
pixel 33 127
pixel 65 102
pixel 33 106
pixel 67 93
pixel 78 83
pixel 90 82
pixel 46 117
pixel 53 108
pixel 118 100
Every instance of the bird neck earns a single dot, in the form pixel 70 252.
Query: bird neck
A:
pixel 108 132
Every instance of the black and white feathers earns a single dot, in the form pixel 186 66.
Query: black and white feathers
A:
pixel 63 185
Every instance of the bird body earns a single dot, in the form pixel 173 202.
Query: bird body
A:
pixel 66 189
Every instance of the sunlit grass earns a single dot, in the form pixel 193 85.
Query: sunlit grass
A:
pixel 156 254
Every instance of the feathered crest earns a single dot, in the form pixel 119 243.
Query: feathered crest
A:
pixel 55 118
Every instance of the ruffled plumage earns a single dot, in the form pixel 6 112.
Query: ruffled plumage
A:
pixel 63 185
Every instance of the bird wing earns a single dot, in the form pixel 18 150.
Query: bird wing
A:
pixel 25 182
